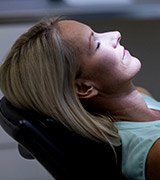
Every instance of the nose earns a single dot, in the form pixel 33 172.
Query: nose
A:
pixel 115 38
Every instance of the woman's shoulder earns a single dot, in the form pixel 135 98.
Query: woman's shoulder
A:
pixel 153 162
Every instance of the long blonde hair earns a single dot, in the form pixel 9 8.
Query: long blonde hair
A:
pixel 39 73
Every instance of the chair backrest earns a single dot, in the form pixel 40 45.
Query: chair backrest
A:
pixel 65 154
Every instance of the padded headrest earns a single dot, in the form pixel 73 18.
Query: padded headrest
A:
pixel 15 114
pixel 9 111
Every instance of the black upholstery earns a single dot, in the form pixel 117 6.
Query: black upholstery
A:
pixel 65 154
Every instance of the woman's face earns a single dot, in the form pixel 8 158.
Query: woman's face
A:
pixel 105 63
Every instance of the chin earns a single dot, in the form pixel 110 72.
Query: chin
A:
pixel 136 67
pixel 138 63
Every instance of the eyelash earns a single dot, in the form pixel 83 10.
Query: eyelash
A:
pixel 98 45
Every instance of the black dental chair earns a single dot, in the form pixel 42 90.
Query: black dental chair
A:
pixel 64 154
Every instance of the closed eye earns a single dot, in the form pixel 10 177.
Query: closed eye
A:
pixel 98 45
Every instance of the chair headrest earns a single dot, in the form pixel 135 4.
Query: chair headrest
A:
pixel 62 152
pixel 15 114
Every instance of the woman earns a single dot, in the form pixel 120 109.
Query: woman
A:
pixel 42 72
pixel 64 69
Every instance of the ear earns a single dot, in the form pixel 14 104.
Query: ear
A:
pixel 85 89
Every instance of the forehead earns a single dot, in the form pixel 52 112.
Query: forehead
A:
pixel 74 31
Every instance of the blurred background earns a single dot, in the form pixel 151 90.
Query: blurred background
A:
pixel 137 20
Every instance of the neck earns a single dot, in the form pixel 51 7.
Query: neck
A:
pixel 127 104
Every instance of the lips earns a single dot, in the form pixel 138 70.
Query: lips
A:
pixel 125 51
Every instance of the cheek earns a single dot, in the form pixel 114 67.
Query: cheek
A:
pixel 103 64
pixel 103 71
pixel 108 55
pixel 109 70
pixel 109 63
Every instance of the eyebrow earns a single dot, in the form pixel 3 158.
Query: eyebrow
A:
pixel 90 37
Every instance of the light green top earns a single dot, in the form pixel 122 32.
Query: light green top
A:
pixel 137 140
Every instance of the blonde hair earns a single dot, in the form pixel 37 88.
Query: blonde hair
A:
pixel 39 73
